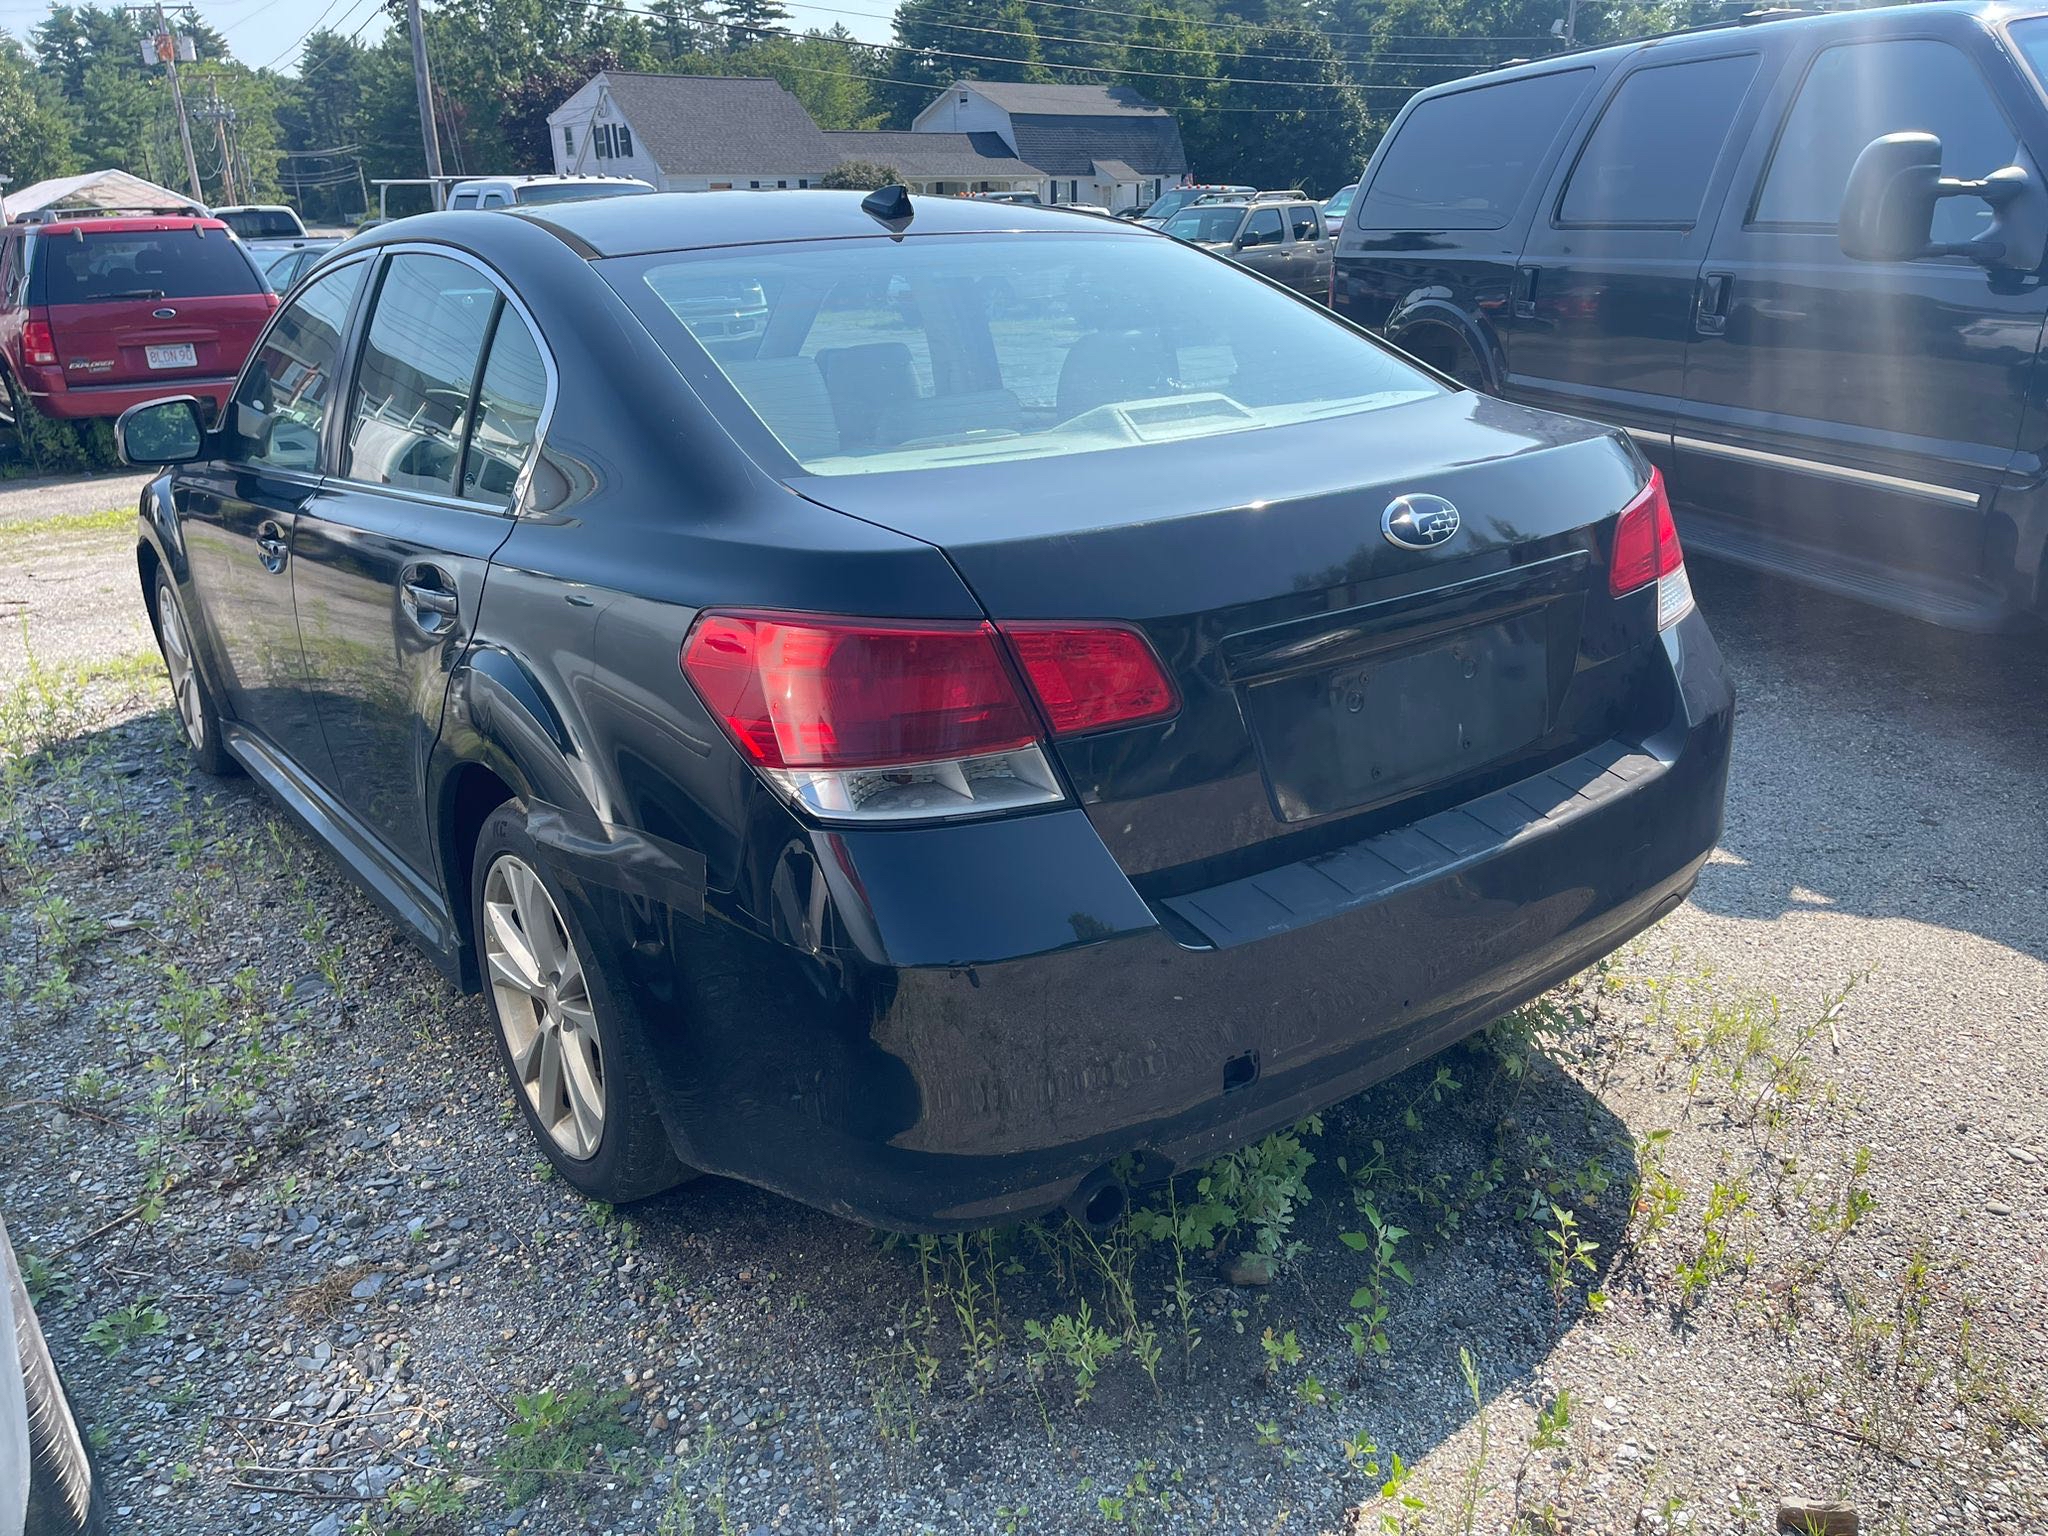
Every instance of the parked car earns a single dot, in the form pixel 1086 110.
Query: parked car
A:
pixel 906 757
pixel 284 262
pixel 1291 195
pixel 1338 205
pixel 526 191
pixel 1716 241
pixel 48 1483
pixel 1283 241
pixel 262 221
pixel 97 313
pixel 1173 199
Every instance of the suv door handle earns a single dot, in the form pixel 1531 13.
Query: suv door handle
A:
pixel 428 597
pixel 1525 292
pixel 272 546
pixel 1711 315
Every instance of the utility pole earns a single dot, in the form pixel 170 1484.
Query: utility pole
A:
pixel 220 138
pixel 425 82
pixel 170 58
pixel 1571 23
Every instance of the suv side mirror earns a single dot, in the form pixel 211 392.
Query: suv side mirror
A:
pixel 1888 208
pixel 160 432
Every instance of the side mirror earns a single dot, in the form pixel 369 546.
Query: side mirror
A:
pixel 160 432
pixel 1888 208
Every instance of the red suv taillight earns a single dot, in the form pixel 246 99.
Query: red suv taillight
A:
pixel 1646 549
pixel 38 345
pixel 866 719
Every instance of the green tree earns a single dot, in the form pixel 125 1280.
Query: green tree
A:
pixel 940 41
pixel 861 176
pixel 820 70
pixel 1287 115
pixel 35 132
pixel 749 21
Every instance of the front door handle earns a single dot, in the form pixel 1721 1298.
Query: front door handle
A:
pixel 1711 319
pixel 428 597
pixel 272 546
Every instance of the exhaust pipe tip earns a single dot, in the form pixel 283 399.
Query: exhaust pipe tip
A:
pixel 1098 1201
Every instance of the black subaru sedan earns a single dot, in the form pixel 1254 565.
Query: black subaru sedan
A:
pixel 922 706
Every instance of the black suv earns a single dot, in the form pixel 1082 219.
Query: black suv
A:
pixel 1832 369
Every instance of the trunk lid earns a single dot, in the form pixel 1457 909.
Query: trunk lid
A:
pixel 1329 678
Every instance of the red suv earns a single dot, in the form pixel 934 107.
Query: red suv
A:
pixel 101 313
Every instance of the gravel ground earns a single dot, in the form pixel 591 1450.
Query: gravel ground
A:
pixel 1756 1211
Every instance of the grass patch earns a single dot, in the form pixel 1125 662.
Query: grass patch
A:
pixel 111 520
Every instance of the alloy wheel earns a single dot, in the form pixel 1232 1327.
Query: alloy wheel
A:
pixel 178 662
pixel 544 1008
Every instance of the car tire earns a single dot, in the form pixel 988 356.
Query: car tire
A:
pixel 571 1051
pixel 18 412
pixel 191 700
pixel 63 1485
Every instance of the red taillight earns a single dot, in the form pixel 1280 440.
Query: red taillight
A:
pixel 1645 541
pixel 38 345
pixel 1091 677
pixel 838 693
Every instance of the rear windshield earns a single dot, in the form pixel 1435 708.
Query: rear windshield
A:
pixel 863 356
pixel 573 191
pixel 1214 223
pixel 157 264
pixel 263 224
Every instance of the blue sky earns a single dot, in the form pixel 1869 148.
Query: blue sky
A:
pixel 268 31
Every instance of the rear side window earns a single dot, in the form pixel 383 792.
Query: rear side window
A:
pixel 412 394
pixel 158 264
pixel 263 224
pixel 280 404
pixel 1303 219
pixel 1651 157
pixel 508 407
pixel 1856 92
pixel 1463 161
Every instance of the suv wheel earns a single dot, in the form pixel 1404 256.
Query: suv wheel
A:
pixel 568 1046
pixel 18 410
pixel 197 717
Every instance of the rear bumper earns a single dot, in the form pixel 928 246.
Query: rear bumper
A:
pixel 943 1028
pixel 52 396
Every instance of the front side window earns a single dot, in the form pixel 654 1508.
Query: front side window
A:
pixel 1463 161
pixel 1651 157
pixel 862 357
pixel 1263 228
pixel 1856 92
pixel 156 264
pixel 508 407
pixel 419 361
pixel 276 416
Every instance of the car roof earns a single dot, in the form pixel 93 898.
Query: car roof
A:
pixel 1774 23
pixel 685 221
pixel 127 224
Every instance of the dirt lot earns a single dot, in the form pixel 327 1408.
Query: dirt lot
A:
pixel 1758 1210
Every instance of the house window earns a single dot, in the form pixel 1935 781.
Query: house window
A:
pixel 625 141
pixel 803 183
pixel 782 184
pixel 568 140
pixel 754 186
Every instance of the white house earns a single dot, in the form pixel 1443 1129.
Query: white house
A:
pixel 1101 144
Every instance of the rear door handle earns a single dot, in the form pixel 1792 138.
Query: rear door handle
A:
pixel 428 597
pixel 273 547
pixel 1525 292
pixel 1711 318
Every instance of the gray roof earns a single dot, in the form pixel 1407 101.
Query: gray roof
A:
pixel 1068 100
pixel 1071 146
pixel 936 156
pixel 705 124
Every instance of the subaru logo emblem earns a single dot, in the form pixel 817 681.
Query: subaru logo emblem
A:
pixel 1419 522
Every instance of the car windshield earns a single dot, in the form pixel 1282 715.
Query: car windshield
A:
pixel 2032 37
pixel 864 356
pixel 574 191
pixel 155 264
pixel 263 223
pixel 1339 203
pixel 1212 224
pixel 1167 204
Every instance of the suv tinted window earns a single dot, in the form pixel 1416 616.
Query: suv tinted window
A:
pixel 157 264
pixel 263 224
pixel 1857 92
pixel 509 400
pixel 1649 160
pixel 1463 161
pixel 276 414
pixel 1305 224
pixel 412 394
pixel 1264 227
